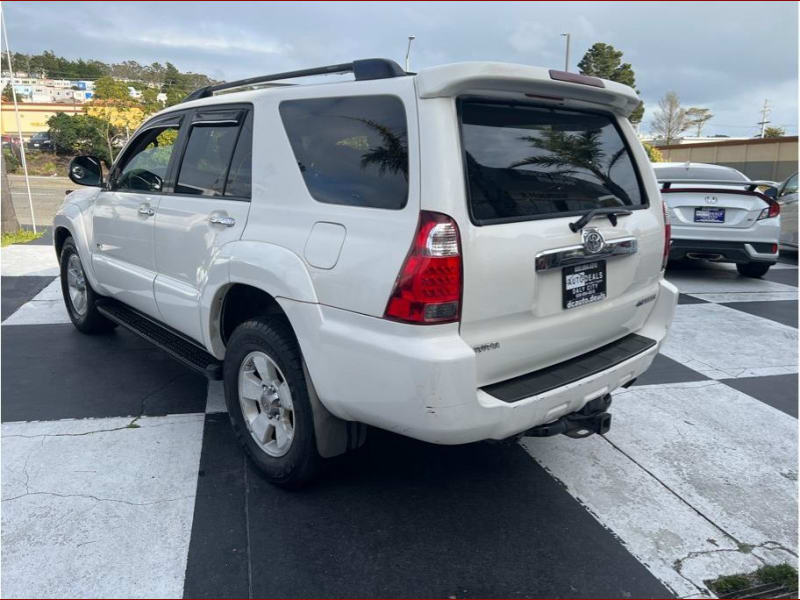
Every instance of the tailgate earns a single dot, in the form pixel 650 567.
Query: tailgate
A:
pixel 537 293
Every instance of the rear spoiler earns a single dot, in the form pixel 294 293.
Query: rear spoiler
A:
pixel 750 186
pixel 534 82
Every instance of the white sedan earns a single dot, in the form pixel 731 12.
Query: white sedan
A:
pixel 717 214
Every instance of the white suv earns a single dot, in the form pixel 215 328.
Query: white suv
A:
pixel 472 252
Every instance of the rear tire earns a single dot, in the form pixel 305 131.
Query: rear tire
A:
pixel 754 269
pixel 268 401
pixel 79 296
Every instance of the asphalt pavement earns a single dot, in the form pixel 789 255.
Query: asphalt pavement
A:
pixel 121 476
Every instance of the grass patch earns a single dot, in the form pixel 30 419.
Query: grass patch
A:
pixel 784 574
pixel 778 575
pixel 21 236
pixel 39 163
pixel 729 584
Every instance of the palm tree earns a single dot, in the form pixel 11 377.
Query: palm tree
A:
pixel 392 156
pixel 573 153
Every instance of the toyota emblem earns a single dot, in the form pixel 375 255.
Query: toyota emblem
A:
pixel 593 241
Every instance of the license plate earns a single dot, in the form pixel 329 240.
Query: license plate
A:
pixel 584 284
pixel 36 145
pixel 709 215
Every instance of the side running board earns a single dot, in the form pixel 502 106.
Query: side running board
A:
pixel 171 342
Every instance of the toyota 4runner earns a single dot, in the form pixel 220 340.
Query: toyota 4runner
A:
pixel 472 252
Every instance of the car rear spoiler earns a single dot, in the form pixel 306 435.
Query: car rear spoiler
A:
pixel 750 186
pixel 534 82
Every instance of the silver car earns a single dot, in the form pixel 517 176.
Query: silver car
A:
pixel 787 198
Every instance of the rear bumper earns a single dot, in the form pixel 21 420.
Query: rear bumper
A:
pixel 421 381
pixel 720 251
pixel 727 244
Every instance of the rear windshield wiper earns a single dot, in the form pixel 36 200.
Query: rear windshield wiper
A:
pixel 610 212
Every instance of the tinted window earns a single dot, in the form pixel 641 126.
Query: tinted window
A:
pixel 144 167
pixel 674 173
pixel 351 150
pixel 242 163
pixel 206 159
pixel 527 162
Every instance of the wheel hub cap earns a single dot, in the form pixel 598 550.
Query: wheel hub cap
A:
pixel 266 403
pixel 76 285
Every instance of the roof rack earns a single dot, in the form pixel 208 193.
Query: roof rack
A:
pixel 365 69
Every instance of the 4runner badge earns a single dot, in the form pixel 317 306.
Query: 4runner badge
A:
pixel 593 241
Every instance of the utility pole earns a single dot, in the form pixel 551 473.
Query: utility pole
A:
pixel 566 58
pixel 765 110
pixel 411 38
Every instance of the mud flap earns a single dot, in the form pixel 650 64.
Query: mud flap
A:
pixel 334 436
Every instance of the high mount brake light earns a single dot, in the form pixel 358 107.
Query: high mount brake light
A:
pixel 428 287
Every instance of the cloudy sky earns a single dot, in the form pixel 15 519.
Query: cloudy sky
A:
pixel 728 57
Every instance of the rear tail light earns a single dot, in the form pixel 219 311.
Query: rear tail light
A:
pixel 667 234
pixel 773 210
pixel 428 288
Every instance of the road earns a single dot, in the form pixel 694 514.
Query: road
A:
pixel 47 194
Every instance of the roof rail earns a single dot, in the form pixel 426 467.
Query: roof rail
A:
pixel 368 68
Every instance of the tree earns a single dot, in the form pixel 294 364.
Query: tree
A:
pixel 605 61
pixel 8 94
pixel 568 150
pixel 653 153
pixel 113 105
pixel 774 132
pixel 79 134
pixel 670 121
pixel 697 117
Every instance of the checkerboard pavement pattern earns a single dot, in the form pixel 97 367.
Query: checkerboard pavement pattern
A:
pixel 121 478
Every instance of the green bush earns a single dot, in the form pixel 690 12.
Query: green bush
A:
pixel 79 134
pixel 12 162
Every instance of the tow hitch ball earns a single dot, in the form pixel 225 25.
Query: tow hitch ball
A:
pixel 592 418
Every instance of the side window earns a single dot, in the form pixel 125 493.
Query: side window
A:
pixel 206 159
pixel 351 150
pixel 144 167
pixel 790 187
pixel 242 164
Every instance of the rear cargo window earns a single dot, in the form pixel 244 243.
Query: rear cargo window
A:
pixel 351 150
pixel 528 162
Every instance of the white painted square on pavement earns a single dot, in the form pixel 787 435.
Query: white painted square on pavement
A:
pixel 47 307
pixel 688 472
pixel 97 508
pixel 20 260
pixel 721 342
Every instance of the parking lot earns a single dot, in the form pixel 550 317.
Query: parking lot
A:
pixel 122 478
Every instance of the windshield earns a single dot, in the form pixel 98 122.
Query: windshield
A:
pixel 528 162
pixel 703 172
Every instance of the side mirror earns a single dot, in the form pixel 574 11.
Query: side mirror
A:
pixel 771 192
pixel 86 170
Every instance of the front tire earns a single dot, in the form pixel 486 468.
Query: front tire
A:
pixel 753 269
pixel 268 403
pixel 79 296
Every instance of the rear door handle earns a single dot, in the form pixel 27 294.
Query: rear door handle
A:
pixel 220 220
pixel 146 211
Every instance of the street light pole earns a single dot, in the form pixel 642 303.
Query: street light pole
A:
pixel 566 58
pixel 411 38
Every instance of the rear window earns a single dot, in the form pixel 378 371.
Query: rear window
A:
pixel 528 162
pixel 351 150
pixel 676 173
